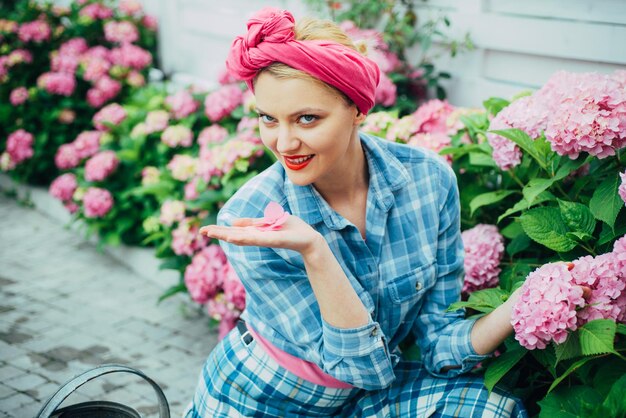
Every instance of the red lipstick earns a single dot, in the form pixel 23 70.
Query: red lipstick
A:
pixel 298 162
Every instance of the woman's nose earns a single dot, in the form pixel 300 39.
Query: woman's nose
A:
pixel 287 141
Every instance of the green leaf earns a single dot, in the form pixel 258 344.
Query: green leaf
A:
pixel 607 373
pixel 524 205
pixel 545 226
pixel 172 291
pixel 501 366
pixel 547 358
pixel 614 404
pixel 513 274
pixel 577 217
pixel 518 244
pixel 495 104
pixel 480 159
pixel 569 371
pixel 568 402
pixel 525 142
pixel 569 349
pixel 535 187
pixel 596 337
pixel 605 203
pixel 485 300
pixel 621 329
pixel 489 198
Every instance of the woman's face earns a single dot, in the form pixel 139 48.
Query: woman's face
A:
pixel 311 129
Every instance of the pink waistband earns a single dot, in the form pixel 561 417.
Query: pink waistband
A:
pixel 301 368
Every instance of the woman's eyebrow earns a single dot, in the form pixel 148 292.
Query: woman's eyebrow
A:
pixel 298 112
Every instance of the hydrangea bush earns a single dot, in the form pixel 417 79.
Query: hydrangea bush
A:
pixel 58 67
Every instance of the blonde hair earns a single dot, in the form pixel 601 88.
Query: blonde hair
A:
pixel 308 29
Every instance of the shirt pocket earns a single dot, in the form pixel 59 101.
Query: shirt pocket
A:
pixel 413 284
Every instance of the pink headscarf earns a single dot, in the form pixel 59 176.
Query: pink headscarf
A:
pixel 271 38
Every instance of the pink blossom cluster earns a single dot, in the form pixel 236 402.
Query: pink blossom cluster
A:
pixel 432 141
pixel 62 84
pixel 186 239
pixel 35 31
pixel 63 187
pixel 172 211
pixel 183 167
pixel 432 117
pixel 97 202
pixel 177 135
pixel 130 7
pixel 205 275
pixel 101 166
pixel 131 56
pixel 219 160
pixel 222 102
pixel 112 114
pixel 546 308
pixel 181 104
pixel 583 112
pixel 386 91
pixel 622 187
pixel 156 121
pixel 378 123
pixel 18 96
pixel 96 11
pixel 85 145
pixel 213 134
pixel 551 302
pixel 19 147
pixel 122 32
pixel 226 306
pixel 15 57
pixel 150 175
pixel 484 247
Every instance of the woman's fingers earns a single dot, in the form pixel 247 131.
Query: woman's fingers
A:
pixel 244 222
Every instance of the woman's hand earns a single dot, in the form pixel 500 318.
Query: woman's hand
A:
pixel 295 234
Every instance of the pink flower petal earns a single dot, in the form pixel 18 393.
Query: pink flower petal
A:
pixel 274 217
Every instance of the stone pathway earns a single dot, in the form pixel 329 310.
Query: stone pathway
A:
pixel 66 307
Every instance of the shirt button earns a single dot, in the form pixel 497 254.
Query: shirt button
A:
pixel 374 332
pixel 418 286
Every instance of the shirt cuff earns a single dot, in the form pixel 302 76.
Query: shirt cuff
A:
pixel 353 342
pixel 464 350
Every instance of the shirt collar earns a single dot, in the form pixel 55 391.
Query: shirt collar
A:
pixel 387 174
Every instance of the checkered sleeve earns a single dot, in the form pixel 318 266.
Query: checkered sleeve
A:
pixel 444 337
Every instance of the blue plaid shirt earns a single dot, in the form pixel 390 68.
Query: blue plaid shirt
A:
pixel 407 271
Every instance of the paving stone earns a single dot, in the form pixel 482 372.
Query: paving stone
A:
pixel 25 382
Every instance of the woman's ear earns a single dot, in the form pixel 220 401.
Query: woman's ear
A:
pixel 359 118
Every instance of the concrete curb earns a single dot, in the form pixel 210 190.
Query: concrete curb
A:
pixel 141 261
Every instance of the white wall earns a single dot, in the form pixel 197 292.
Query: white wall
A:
pixel 519 44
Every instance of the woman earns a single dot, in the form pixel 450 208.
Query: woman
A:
pixel 371 255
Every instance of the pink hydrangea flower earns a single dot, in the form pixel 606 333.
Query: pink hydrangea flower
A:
pixel 234 292
pixel 108 86
pixel 150 175
pixel 20 146
pixel 432 116
pixel 66 157
pixel 19 56
pixel 403 129
pixel 222 102
pixel 622 187
pixel 177 135
pixel 87 143
pixel 247 124
pixel 97 202
pixel 205 275
pixel 181 104
pixel 546 308
pixel 607 284
pixel 96 98
pixel 191 189
pixel 57 83
pixel 225 77
pixel 183 167
pixel 131 56
pixel 377 48
pixel 35 31
pixel 71 207
pixel 484 247
pixel 61 63
pixel 432 141
pixel 8 26
pixel 95 67
pixel 130 7
pixel 67 116
pixel 378 123
pixel 157 121
pixel 213 134
pixel 135 79
pixel 73 47
pixel 223 311
pixel 63 187
pixel 619 250
pixel 185 238
pixel 150 22
pixel 386 91
pixel 219 160
pixel 172 211
pixel 6 164
pixel 506 153
pixel 96 11
pixel 120 32
pixel 18 96
pixel 112 114
pixel 101 166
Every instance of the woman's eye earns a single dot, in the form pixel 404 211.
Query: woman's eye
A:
pixel 308 119
pixel 266 118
